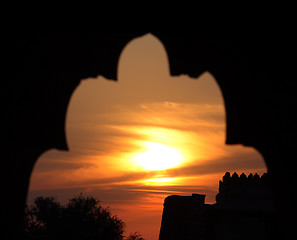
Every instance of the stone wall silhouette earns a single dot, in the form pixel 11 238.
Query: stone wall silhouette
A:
pixel 243 210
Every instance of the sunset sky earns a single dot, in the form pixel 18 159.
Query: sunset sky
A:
pixel 135 141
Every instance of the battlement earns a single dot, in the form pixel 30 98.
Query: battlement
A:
pixel 243 179
pixel 251 189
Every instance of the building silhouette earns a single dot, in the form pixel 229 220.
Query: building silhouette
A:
pixel 243 210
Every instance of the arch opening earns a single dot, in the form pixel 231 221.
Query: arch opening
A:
pixel 110 126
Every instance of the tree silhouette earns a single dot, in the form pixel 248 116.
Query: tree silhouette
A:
pixel 135 236
pixel 82 218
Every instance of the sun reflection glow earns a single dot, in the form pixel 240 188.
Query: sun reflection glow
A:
pixel 159 181
pixel 158 157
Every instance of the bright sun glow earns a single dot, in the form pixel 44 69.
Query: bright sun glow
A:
pixel 158 157
pixel 160 181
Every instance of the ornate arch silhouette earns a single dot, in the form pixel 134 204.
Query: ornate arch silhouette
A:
pixel 256 75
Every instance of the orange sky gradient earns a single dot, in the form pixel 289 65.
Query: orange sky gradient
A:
pixel 138 140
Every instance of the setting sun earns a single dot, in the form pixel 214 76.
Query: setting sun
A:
pixel 158 157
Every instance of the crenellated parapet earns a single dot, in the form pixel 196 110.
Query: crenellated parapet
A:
pixel 243 180
pixel 234 188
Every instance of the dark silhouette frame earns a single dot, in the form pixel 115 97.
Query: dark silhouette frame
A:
pixel 256 73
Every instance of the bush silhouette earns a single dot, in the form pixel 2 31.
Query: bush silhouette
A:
pixel 135 236
pixel 82 218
